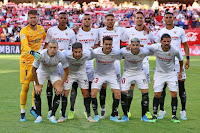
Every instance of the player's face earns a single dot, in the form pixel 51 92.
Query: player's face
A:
pixel 52 49
pixel 166 44
pixel 62 20
pixel 33 19
pixel 168 19
pixel 139 19
pixel 107 46
pixel 87 20
pixel 135 47
pixel 77 53
pixel 110 21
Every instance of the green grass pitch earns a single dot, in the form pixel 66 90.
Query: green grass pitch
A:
pixel 10 107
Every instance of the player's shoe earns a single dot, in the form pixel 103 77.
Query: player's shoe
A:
pixel 96 118
pixel 148 114
pixel 23 117
pixel 71 114
pixel 103 113
pixel 53 119
pixel 62 119
pixel 183 115
pixel 38 119
pixel 90 119
pixel 154 118
pixel 85 114
pixel 175 119
pixel 144 118
pixel 49 114
pixel 161 114
pixel 114 119
pixel 129 114
pixel 33 112
pixel 124 118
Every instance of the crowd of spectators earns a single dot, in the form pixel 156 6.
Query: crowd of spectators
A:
pixel 14 16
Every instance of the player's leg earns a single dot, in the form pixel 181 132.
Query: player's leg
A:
pixel 182 95
pixel 33 109
pixel 173 87
pixel 162 111
pixel 73 99
pixel 115 105
pixel 23 99
pixel 49 93
pixel 130 97
pixel 38 104
pixel 102 99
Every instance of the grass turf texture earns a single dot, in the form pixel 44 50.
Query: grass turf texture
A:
pixel 10 107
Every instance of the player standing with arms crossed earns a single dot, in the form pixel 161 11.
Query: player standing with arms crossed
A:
pixel 31 38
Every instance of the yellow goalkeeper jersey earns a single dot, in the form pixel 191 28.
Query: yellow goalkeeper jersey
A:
pixel 30 40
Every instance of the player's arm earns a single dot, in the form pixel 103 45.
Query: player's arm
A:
pixel 187 53
pixel 24 43
pixel 65 65
pixel 180 57
pixel 47 39
pixel 38 87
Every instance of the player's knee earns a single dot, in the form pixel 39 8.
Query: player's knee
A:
pixel 157 94
pixel 85 93
pixel 93 94
pixel 25 88
pixel 174 93
pixel 66 93
pixel 49 85
pixel 117 94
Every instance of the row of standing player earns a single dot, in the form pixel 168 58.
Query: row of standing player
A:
pixel 86 35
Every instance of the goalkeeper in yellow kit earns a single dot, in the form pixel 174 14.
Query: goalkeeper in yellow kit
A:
pixel 31 39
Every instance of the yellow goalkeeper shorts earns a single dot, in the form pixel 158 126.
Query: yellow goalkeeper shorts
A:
pixel 26 73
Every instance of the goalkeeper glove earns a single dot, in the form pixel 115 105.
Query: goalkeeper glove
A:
pixel 36 55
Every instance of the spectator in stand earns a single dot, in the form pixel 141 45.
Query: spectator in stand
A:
pixel 159 17
pixel 3 37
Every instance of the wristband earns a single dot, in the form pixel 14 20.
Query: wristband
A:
pixel 31 52
pixel 187 57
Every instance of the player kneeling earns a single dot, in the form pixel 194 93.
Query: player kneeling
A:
pixel 46 68
pixel 77 73
pixel 133 72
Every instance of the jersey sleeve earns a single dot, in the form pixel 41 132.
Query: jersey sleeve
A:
pixel 183 36
pixel 152 47
pixel 90 54
pixel 36 63
pixel 124 36
pixel 48 36
pixel 147 52
pixel 24 40
pixel 44 34
pixel 63 60
pixel 158 37
pixel 179 55
pixel 152 37
pixel 97 37
pixel 73 37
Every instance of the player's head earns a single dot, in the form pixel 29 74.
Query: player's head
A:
pixel 139 19
pixel 110 20
pixel 165 42
pixel 135 45
pixel 33 17
pixel 77 50
pixel 62 18
pixel 168 18
pixel 52 47
pixel 107 44
pixel 87 20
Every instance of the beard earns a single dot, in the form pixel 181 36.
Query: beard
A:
pixel 33 24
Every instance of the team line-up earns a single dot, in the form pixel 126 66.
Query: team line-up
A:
pixel 66 61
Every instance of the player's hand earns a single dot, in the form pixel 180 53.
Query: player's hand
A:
pixel 128 47
pixel 75 29
pixel 37 55
pixel 187 64
pixel 179 75
pixel 146 29
pixel 38 89
pixel 59 90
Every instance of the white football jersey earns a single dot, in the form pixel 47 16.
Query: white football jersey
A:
pixel 87 38
pixel 105 62
pixel 49 64
pixel 177 36
pixel 77 66
pixel 64 38
pixel 116 34
pixel 133 63
pixel 142 35
pixel 165 61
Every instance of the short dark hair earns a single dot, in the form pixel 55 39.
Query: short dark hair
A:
pixel 32 12
pixel 62 13
pixel 165 36
pixel 76 45
pixel 107 38
pixel 109 15
pixel 140 13
pixel 168 13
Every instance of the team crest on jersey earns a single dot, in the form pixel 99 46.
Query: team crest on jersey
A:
pixel 112 56
pixel 115 31
pixel 92 34
pixel 140 56
pixel 66 34
pixel 144 33
pixel 169 54
pixel 56 60
pixel 25 78
pixel 174 32
pixel 83 59
pixel 41 32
